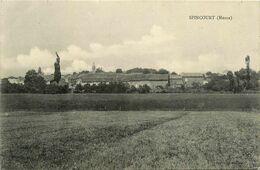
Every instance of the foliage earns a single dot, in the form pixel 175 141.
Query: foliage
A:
pixel 231 79
pixel 141 70
pixel 119 70
pixel 162 71
pixel 253 81
pixel 184 101
pixel 99 70
pixel 54 88
pixel 209 73
pixel 34 83
pixel 217 83
pixel 196 85
pixel 57 73
pixel 236 83
pixel 78 89
pixel 147 71
pixel 83 72
pixel 132 89
pixel 7 87
pixel 144 89
pixel 112 87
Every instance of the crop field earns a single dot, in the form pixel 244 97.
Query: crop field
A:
pixel 130 140
pixel 130 131
pixel 108 102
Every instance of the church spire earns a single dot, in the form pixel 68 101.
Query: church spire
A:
pixel 93 67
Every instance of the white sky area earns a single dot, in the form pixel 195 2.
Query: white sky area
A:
pixel 127 35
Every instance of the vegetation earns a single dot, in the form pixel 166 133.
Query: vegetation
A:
pixel 34 83
pixel 129 140
pixel 218 83
pixel 151 101
pixel 141 70
pixel 236 82
pixel 54 88
pixel 254 77
pixel 144 89
pixel 83 72
pixel 119 70
pixel 99 70
pixel 162 71
pixel 7 87
pixel 57 73
pixel 112 87
pixel 147 71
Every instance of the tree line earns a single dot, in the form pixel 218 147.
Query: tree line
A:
pixel 231 82
pixel 33 83
pixel 133 70
pixel 111 87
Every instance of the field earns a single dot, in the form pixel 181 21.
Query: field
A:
pixel 107 102
pixel 194 137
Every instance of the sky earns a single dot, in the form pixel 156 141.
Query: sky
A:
pixel 127 35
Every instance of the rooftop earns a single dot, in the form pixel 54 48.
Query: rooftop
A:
pixel 110 77
pixel 192 74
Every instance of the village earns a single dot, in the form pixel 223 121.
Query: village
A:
pixel 153 80
pixel 111 85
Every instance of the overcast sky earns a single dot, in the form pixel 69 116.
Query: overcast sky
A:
pixel 128 34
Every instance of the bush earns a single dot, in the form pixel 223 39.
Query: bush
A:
pixel 78 89
pixel 112 87
pixel 162 71
pixel 119 70
pixel 34 83
pixel 7 87
pixel 144 89
pixel 56 89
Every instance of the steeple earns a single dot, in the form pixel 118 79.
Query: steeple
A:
pixel 40 71
pixel 93 67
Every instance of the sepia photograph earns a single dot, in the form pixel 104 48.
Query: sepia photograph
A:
pixel 129 85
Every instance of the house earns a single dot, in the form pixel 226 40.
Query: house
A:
pixel 176 81
pixel 134 79
pixel 152 80
pixel 48 78
pixel 16 80
pixel 190 78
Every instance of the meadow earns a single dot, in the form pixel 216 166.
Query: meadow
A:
pixel 153 101
pixel 198 132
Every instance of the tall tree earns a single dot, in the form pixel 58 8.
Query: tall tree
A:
pixel 247 60
pixel 57 73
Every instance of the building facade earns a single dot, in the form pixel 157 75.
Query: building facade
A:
pixel 190 78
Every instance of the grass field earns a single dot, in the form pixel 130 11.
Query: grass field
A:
pixel 130 140
pixel 105 102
